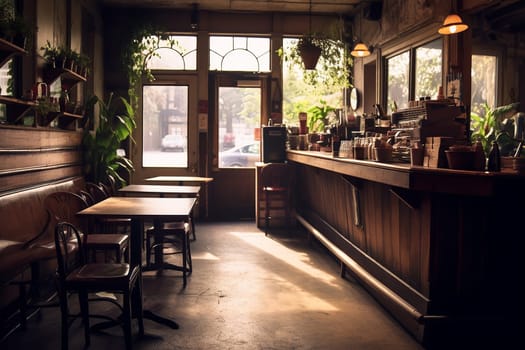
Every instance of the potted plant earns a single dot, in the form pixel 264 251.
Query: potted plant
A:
pixel 324 59
pixel 495 125
pixel 14 28
pixel 83 65
pixel 115 124
pixel 319 117
pixel 309 52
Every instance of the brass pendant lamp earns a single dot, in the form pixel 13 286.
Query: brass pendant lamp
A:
pixel 452 24
pixel 360 49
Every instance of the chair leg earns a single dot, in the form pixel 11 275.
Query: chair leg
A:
pixel 266 213
pixel 192 222
pixel 139 315
pixel 190 264
pixel 136 305
pixel 184 257
pixel 84 310
pixel 64 312
pixel 127 320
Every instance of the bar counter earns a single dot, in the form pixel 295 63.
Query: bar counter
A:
pixel 441 249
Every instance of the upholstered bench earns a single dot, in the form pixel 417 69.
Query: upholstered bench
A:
pixel 26 241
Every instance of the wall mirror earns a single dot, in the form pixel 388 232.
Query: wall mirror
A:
pixel 354 99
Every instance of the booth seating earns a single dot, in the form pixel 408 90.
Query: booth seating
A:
pixel 27 252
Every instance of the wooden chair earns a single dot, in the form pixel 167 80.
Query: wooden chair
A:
pixel 120 225
pixel 63 206
pixel 170 238
pixel 276 180
pixel 75 275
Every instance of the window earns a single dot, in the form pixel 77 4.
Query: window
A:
pixel 165 104
pixel 239 121
pixel 299 96
pixel 165 126
pixel 398 68
pixel 173 52
pixel 239 53
pixel 414 74
pixel 483 77
pixel 6 84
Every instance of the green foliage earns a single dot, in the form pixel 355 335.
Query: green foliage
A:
pixel 14 27
pixel 116 124
pixel 319 117
pixel 142 46
pixel 334 66
pixel 495 125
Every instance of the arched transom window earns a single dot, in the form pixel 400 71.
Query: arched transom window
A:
pixel 239 53
pixel 174 52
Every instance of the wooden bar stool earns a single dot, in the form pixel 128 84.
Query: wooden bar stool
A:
pixel 276 180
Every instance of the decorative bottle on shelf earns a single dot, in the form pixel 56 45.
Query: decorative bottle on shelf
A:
pixel 494 162
pixel 63 100
pixel 480 161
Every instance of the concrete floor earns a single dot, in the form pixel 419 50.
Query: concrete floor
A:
pixel 247 291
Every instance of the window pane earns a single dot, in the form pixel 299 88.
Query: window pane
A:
pixel 239 121
pixel 239 53
pixel 398 68
pixel 6 85
pixel 483 82
pixel 176 52
pixel 428 69
pixel 299 96
pixel 165 126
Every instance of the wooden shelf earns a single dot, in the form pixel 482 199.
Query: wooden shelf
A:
pixel 65 119
pixel 8 50
pixel 67 77
pixel 16 108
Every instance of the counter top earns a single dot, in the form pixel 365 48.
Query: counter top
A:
pixel 419 178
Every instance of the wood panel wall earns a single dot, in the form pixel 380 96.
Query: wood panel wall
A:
pixel 31 156
pixel 390 234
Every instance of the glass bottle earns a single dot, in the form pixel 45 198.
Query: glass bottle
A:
pixel 494 162
pixel 480 161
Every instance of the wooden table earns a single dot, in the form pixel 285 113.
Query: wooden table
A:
pixel 139 209
pixel 163 191
pixel 180 180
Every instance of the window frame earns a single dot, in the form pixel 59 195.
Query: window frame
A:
pixel 498 84
pixel 399 46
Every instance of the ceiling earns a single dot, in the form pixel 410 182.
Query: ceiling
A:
pixel 298 6
pixel 500 15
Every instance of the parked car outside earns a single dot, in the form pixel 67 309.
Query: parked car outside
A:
pixel 242 156
pixel 173 142
pixel 228 141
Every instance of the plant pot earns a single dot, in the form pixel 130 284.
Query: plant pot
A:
pixel 309 54
pixel 460 160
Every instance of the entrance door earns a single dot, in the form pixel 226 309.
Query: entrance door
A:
pixel 167 138
pixel 239 110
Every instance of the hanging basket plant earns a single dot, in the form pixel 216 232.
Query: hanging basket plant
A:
pixel 324 60
pixel 309 53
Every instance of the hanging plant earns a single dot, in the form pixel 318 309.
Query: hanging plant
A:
pixel 333 65
pixel 309 52
pixel 143 44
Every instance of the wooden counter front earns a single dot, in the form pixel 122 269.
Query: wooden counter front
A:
pixel 441 249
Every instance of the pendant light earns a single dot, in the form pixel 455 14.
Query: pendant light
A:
pixel 452 24
pixel 360 49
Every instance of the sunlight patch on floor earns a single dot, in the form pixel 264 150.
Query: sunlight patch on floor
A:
pixel 298 260
pixel 204 256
